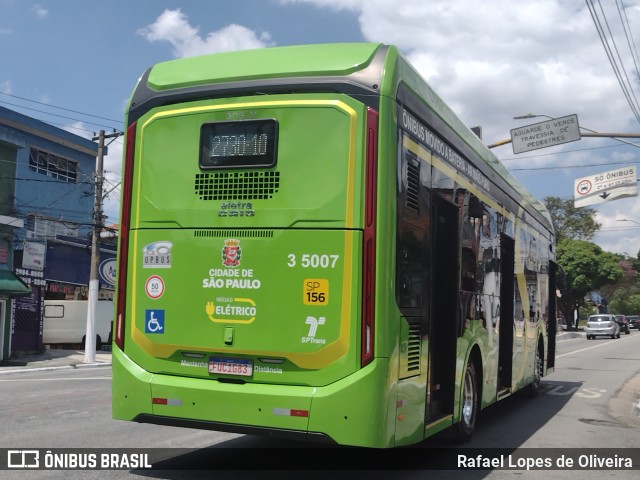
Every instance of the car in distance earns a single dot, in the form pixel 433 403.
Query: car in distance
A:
pixel 602 324
pixel 624 323
pixel 634 321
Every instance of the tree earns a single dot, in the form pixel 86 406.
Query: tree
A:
pixel 571 222
pixel 624 295
pixel 584 267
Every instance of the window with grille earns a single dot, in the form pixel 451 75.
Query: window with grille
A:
pixel 53 166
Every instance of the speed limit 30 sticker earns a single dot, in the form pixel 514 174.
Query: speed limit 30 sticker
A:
pixel 154 287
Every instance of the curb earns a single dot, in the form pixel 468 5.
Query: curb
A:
pixel 568 335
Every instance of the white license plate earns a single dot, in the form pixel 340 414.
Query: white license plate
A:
pixel 231 366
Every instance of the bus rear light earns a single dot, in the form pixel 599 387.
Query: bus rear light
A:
pixel 125 225
pixel 369 241
pixel 175 402
pixel 289 412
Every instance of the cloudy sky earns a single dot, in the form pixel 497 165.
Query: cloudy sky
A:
pixel 74 64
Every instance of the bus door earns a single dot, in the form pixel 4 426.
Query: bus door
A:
pixel 444 301
pixel 505 332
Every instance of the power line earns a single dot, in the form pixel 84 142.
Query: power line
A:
pixel 617 69
pixel 61 108
pixel 563 167
pixel 560 153
pixel 52 114
pixel 629 35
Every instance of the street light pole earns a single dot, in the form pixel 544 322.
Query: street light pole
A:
pixel 627 220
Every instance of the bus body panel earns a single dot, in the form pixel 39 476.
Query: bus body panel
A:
pixel 317 137
pixel 275 63
pixel 229 281
pixel 284 301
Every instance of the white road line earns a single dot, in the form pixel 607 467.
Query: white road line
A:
pixel 14 379
pixel 626 337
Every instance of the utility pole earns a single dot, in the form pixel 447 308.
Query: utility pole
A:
pixel 94 277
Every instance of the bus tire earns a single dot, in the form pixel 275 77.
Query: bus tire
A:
pixel 470 403
pixel 535 387
pixel 98 342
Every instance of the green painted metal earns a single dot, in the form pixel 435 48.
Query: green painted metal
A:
pixel 265 265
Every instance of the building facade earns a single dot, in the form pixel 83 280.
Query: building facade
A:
pixel 47 184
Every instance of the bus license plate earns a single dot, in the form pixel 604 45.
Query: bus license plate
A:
pixel 231 366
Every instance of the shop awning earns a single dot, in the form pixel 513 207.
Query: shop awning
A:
pixel 11 285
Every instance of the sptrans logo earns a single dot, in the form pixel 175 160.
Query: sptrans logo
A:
pixel 231 253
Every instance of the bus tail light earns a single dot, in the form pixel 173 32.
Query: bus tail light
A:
pixel 125 224
pixel 369 240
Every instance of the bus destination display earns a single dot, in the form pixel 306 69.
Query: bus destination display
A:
pixel 250 143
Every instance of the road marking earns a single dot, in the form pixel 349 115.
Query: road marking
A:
pixel 552 388
pixel 594 346
pixel 51 379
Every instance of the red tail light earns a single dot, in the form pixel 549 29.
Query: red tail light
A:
pixel 369 241
pixel 125 225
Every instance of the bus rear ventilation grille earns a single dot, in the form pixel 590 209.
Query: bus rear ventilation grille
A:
pixel 233 233
pixel 237 185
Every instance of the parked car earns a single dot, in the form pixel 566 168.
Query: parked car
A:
pixel 634 321
pixel 624 323
pixel 602 324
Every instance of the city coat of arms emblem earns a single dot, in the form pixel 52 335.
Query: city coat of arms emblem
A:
pixel 231 253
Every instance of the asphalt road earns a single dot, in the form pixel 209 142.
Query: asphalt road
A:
pixel 591 401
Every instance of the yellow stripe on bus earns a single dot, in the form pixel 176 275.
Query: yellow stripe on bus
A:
pixel 312 360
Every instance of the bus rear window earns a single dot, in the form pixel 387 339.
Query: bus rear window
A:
pixel 247 143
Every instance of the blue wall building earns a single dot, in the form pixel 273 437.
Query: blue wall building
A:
pixel 46 219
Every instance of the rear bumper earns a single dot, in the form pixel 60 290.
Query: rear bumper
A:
pixel 281 433
pixel 352 411
pixel 600 331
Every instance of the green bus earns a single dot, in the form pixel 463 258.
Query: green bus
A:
pixel 313 246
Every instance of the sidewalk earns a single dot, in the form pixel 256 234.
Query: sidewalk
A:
pixel 569 334
pixel 53 359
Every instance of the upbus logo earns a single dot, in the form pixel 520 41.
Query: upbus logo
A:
pixel 231 253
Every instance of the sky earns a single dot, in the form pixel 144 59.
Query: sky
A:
pixel 74 64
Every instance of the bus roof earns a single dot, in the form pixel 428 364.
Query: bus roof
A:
pixel 275 62
pixel 291 65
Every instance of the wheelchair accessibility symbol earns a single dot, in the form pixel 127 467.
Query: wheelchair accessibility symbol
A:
pixel 154 321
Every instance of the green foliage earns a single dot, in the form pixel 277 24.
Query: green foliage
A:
pixel 571 222
pixel 585 267
pixel 624 302
pixel 624 294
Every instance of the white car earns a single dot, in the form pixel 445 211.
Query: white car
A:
pixel 602 324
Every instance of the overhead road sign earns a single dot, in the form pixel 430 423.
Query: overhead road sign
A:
pixel 545 134
pixel 606 186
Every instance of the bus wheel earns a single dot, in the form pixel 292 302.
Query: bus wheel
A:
pixel 535 387
pixel 98 342
pixel 467 423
